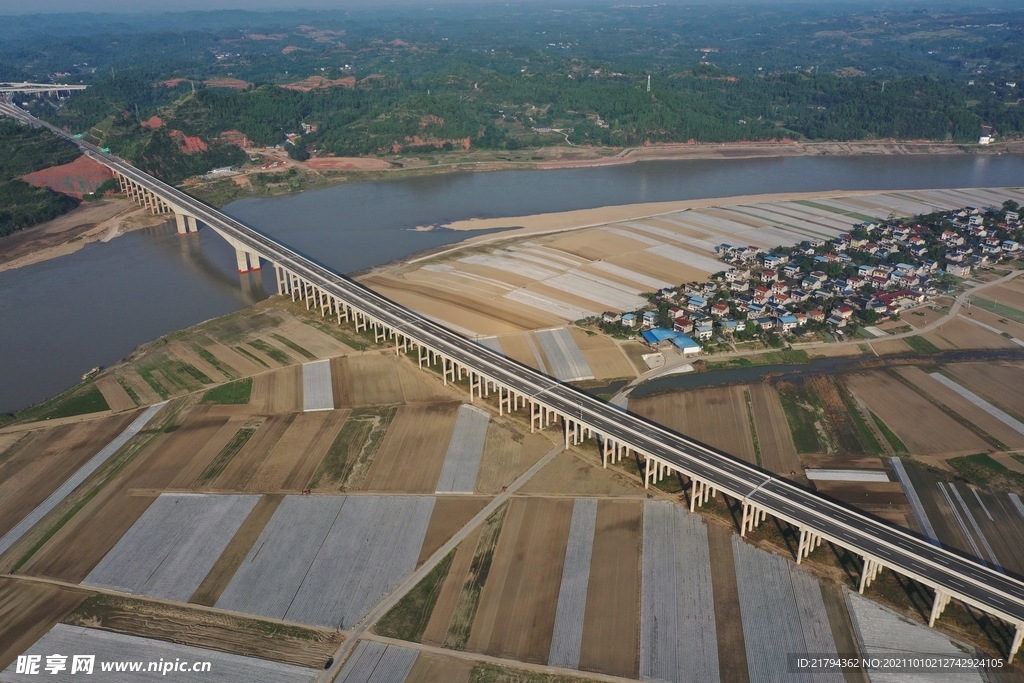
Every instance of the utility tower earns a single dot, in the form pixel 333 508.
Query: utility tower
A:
pixel 648 82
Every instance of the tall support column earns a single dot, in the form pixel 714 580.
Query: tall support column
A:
pixel 254 261
pixel 179 220
pixel 870 570
pixel 422 357
pixel 193 225
pixel 243 263
pixel 1018 640
pixel 942 599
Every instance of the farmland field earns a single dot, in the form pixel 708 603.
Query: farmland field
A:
pixel 943 394
pixel 173 546
pixel 79 545
pixel 279 391
pixel 412 454
pixel 924 429
pixel 29 610
pixel 108 646
pixel 998 383
pixel 291 462
pixel 44 459
pixel 775 441
pixel 611 628
pixel 717 417
pixel 516 615
pixel 185 625
pixel 334 558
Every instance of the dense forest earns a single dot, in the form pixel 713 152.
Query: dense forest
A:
pixel 25 150
pixel 415 80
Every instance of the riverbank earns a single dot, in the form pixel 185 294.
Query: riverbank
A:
pixel 99 221
pixel 318 173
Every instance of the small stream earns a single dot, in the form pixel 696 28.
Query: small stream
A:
pixel 821 366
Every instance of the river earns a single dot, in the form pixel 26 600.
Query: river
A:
pixel 60 318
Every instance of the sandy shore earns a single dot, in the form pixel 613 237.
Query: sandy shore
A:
pixel 100 221
pixel 563 221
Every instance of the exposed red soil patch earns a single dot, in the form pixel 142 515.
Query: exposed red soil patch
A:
pixel 189 144
pixel 340 163
pixel 153 123
pixel 290 49
pixel 235 137
pixel 317 82
pixel 417 141
pixel 81 176
pixel 429 119
pixel 172 82
pixel 234 83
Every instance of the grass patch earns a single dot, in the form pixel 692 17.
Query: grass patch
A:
pixel 128 390
pixel 259 360
pixel 982 470
pixel 229 451
pixel 801 416
pixel 337 334
pixel 491 673
pixel 408 619
pixel 469 599
pixel 108 610
pixel 212 360
pixel 349 456
pixel 293 346
pixel 753 429
pixel 921 345
pixel 898 446
pixel 864 433
pixel 271 351
pixel 89 400
pixel 146 373
pixel 232 393
pixel 999 309
pixel 784 357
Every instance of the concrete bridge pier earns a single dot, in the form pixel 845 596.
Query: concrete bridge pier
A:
pixel 942 599
pixel 808 542
pixel 700 493
pixel 1018 640
pixel 752 517
pixel 869 572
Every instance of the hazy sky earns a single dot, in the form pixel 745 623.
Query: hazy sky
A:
pixel 8 7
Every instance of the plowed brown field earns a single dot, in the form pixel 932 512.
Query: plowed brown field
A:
pixel 114 394
pixel 46 460
pixel 507 454
pixel 516 616
pixel 444 609
pixel 245 463
pixel 29 610
pixel 922 427
pixel 374 379
pixel 413 451
pixel 717 417
pixel 997 383
pixel 985 422
pixel 291 462
pixel 451 513
pixel 434 668
pixel 778 454
pixel 279 391
pixel 611 624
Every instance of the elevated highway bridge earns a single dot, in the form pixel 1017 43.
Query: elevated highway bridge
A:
pixel 10 87
pixel 949 574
